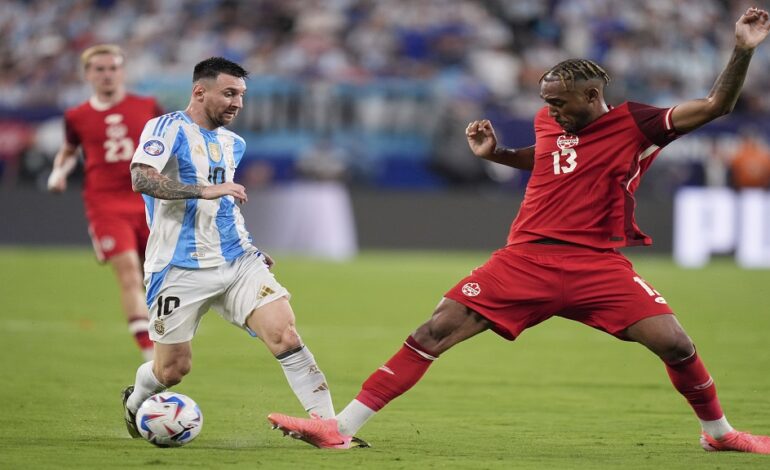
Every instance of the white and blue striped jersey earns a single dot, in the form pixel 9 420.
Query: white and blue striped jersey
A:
pixel 192 233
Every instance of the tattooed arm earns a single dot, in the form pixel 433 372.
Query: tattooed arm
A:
pixel 750 30
pixel 147 180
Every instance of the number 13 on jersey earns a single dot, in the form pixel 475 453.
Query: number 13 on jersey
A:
pixel 570 158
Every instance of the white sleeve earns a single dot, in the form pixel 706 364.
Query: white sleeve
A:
pixel 156 143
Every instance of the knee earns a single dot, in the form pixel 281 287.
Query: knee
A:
pixel 173 372
pixel 434 333
pixel 282 339
pixel 429 335
pixel 677 348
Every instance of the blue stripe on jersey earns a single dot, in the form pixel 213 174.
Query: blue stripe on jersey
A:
pixel 159 124
pixel 149 204
pixel 164 123
pixel 229 241
pixel 156 282
pixel 185 245
pixel 167 126
pixel 239 148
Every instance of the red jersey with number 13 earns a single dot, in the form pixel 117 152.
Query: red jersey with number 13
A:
pixel 108 138
pixel 582 186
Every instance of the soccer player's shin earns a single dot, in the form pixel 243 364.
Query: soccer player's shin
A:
pixel 398 375
pixel 307 381
pixel 693 381
pixel 146 385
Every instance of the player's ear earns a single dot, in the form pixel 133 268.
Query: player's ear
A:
pixel 592 94
pixel 198 91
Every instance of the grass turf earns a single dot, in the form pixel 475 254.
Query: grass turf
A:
pixel 561 396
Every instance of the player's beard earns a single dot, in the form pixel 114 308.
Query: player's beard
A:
pixel 578 121
pixel 219 120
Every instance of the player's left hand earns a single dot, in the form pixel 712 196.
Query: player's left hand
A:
pixel 752 28
pixel 57 181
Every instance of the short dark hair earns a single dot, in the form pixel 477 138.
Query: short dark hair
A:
pixel 213 66
pixel 575 69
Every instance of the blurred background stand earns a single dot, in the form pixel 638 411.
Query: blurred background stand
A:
pixel 309 218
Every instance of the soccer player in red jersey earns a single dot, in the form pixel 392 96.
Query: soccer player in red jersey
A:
pixel 107 127
pixel 561 258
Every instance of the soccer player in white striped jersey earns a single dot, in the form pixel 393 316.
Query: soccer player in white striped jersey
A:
pixel 199 254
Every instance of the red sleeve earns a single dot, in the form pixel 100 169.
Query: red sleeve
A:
pixel 655 123
pixel 70 134
pixel 157 109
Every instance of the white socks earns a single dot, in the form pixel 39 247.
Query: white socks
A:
pixel 353 417
pixel 148 354
pixel 146 385
pixel 307 381
pixel 716 428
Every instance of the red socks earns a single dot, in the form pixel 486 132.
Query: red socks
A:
pixel 410 363
pixel 398 375
pixel 138 327
pixel 693 381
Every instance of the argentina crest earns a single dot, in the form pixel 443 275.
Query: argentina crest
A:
pixel 214 153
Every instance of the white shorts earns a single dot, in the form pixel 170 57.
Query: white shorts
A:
pixel 178 298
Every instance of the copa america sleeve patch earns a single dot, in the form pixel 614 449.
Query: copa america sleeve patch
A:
pixel 153 147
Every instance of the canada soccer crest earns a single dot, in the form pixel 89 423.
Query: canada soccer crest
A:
pixel 471 289
pixel 567 141
pixel 107 243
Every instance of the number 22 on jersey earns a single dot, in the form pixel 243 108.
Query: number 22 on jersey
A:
pixel 568 156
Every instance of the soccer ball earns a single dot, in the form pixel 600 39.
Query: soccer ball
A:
pixel 169 419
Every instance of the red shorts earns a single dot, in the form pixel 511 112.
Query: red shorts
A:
pixel 525 284
pixel 112 234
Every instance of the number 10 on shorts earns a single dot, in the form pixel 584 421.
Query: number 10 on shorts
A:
pixel 650 291
pixel 166 305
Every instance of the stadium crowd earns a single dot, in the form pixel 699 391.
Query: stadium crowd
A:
pixel 486 52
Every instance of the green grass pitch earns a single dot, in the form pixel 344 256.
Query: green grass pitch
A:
pixel 561 396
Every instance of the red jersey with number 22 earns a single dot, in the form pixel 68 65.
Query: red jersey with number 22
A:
pixel 582 186
pixel 108 137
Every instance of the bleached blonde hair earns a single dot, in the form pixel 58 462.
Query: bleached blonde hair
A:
pixel 113 49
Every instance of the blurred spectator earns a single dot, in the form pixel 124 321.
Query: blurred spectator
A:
pixel 324 161
pixel 750 167
pixel 333 39
pixel 327 67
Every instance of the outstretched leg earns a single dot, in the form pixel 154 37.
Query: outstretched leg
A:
pixel 451 323
pixel 274 324
pixel 664 336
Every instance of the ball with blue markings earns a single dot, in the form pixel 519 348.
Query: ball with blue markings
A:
pixel 169 419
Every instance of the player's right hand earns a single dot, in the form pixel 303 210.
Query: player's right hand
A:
pixel 752 28
pixel 225 189
pixel 57 181
pixel 481 138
